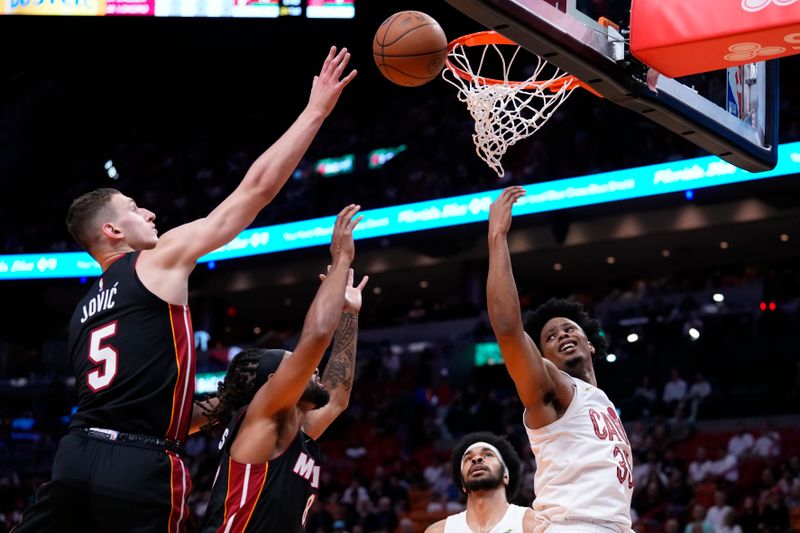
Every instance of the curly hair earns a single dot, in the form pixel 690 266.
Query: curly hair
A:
pixel 556 307
pixel 507 451
pixel 246 373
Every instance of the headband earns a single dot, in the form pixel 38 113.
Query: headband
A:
pixel 481 444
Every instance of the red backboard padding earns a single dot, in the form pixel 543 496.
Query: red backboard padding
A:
pixel 683 37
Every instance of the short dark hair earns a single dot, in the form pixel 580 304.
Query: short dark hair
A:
pixel 509 455
pixel 83 211
pixel 555 307
pixel 248 370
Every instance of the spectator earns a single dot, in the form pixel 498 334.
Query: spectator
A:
pixel 726 467
pixel 436 503
pixel 679 493
pixel 768 444
pixel 382 519
pixel 729 524
pixel 717 512
pixel 355 493
pixel 674 392
pixel 698 392
pixel 749 517
pixel 671 463
pixel 649 471
pixel 407 526
pixel 644 397
pixel 773 516
pixel 700 468
pixel 680 427
pixel 698 523
pixel 741 444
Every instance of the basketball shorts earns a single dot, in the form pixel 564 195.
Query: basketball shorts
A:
pixel 110 487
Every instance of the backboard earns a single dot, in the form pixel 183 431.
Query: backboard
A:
pixel 730 113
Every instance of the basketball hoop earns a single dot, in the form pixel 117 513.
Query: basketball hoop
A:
pixel 505 111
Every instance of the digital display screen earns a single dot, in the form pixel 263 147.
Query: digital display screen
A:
pixel 593 189
pixel 331 9
pixel 488 354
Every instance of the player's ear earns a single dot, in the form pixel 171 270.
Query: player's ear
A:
pixel 591 348
pixel 111 231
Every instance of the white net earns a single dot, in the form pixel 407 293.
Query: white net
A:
pixel 507 112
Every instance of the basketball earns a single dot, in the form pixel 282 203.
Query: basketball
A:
pixel 410 48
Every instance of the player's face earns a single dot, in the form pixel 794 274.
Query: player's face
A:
pixel 565 344
pixel 481 469
pixel 135 224
pixel 316 393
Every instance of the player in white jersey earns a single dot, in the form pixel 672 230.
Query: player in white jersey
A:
pixel 487 469
pixel 584 478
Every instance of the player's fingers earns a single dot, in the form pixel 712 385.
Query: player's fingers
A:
pixel 353 223
pixel 363 283
pixel 342 216
pixel 327 62
pixel 342 64
pixel 348 217
pixel 329 268
pixel 347 79
pixel 512 193
pixel 336 61
pixel 349 277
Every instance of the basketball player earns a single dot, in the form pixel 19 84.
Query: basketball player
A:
pixel 130 339
pixel 584 478
pixel 487 469
pixel 275 407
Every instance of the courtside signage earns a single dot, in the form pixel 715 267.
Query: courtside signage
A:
pixel 639 182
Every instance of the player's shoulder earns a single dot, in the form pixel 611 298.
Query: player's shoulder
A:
pixel 437 527
pixel 528 520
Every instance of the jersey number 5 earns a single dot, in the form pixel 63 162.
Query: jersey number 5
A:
pixel 101 377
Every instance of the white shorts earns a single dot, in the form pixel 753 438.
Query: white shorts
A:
pixel 578 527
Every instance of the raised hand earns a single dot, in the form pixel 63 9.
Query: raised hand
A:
pixel 352 294
pixel 500 210
pixel 342 246
pixel 327 85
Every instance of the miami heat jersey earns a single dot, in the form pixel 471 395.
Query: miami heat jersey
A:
pixel 132 356
pixel 584 470
pixel 511 522
pixel 271 497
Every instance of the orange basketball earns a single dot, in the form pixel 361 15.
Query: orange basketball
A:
pixel 410 48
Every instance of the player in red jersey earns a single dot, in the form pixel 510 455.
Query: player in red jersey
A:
pixel 275 407
pixel 131 344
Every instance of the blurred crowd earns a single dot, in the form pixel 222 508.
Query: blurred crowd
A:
pixel 712 420
pixel 181 169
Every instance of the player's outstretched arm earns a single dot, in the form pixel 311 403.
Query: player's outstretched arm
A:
pixel 183 245
pixel 525 364
pixel 283 390
pixel 341 368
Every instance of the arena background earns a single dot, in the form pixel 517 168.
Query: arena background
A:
pixel 182 106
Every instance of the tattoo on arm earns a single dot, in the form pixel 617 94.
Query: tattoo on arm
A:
pixel 341 365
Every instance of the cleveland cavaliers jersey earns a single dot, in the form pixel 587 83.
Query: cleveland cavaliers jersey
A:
pixel 132 357
pixel 271 497
pixel 583 464
pixel 511 522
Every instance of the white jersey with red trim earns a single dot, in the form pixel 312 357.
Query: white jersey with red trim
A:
pixel 584 470
pixel 510 523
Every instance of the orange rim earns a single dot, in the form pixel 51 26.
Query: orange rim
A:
pixel 488 37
